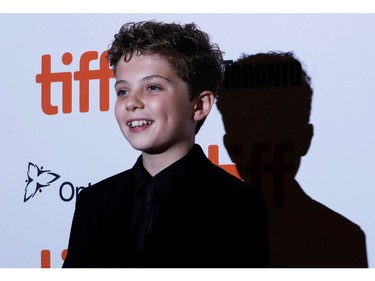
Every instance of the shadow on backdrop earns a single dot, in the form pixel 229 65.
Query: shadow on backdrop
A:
pixel 265 103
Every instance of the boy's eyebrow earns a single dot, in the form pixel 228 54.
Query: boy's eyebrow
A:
pixel 121 82
pixel 155 76
pixel 149 77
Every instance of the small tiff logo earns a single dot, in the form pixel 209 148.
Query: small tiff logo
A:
pixel 39 178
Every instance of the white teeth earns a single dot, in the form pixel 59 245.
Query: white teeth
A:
pixel 138 123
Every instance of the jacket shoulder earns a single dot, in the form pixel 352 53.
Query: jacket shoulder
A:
pixel 221 177
pixel 108 185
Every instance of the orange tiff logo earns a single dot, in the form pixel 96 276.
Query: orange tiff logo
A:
pixel 84 75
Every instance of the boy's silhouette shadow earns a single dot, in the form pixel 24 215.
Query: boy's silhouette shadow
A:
pixel 265 103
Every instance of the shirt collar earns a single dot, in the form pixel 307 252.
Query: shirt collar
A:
pixel 168 177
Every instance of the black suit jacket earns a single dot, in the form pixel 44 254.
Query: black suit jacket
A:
pixel 209 219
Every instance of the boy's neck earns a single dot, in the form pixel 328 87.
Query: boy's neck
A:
pixel 155 163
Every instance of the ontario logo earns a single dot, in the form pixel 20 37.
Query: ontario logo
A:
pixel 38 178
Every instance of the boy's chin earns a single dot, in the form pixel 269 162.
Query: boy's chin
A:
pixel 149 149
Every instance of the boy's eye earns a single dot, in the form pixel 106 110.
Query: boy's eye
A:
pixel 121 93
pixel 153 88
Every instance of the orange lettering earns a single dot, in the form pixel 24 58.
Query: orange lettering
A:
pixel 47 77
pixel 85 74
pixel 213 155
pixel 45 259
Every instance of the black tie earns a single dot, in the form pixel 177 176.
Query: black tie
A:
pixel 145 219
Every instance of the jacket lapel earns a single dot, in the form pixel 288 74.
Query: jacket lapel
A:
pixel 116 221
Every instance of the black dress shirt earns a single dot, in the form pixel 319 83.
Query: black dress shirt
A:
pixel 162 182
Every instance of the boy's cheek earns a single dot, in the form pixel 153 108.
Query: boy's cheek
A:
pixel 118 111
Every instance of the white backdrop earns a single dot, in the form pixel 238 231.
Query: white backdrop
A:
pixel 76 149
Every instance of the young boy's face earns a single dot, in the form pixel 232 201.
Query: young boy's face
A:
pixel 153 108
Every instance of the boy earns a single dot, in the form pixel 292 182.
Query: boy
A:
pixel 196 214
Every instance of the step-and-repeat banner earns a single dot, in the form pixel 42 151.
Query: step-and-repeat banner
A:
pixel 59 134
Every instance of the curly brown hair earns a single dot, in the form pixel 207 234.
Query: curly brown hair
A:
pixel 188 50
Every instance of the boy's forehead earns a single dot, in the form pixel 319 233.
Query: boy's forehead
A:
pixel 143 55
pixel 146 67
pixel 151 64
pixel 139 60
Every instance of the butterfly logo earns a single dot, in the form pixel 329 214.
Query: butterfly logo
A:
pixel 37 178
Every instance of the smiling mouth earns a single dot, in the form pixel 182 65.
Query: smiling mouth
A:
pixel 139 123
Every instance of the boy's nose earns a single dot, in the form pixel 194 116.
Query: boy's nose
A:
pixel 134 102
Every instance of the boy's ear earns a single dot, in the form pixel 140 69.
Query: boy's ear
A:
pixel 203 105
